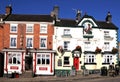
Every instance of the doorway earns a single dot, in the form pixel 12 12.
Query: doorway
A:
pixel 28 63
pixel 76 63
pixel 1 64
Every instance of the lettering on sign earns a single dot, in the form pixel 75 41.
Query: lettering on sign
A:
pixel 14 67
pixel 42 68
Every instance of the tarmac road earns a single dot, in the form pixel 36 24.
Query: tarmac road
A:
pixel 90 78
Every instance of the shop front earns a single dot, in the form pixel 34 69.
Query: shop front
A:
pixel 14 61
pixel 43 62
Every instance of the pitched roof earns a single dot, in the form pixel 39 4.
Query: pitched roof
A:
pixel 66 22
pixel 61 22
pixel 2 15
pixel 105 25
pixel 32 18
pixel 101 24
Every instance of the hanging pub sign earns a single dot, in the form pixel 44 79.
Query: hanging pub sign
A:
pixel 87 29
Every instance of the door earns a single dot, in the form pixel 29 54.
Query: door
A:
pixel 76 63
pixel 28 63
pixel 1 64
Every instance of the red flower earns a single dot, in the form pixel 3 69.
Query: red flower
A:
pixel 114 50
pixel 98 50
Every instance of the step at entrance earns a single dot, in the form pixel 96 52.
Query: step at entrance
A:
pixel 26 74
pixel 79 72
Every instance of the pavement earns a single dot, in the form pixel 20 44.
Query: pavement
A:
pixel 52 78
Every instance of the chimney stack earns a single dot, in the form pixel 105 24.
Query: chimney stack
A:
pixel 78 15
pixel 109 18
pixel 8 10
pixel 55 12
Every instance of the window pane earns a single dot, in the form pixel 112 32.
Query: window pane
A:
pixel 59 62
pixel 29 29
pixel 89 58
pixel 29 42
pixel 43 29
pixel 47 59
pixel 66 60
pixel 39 59
pixel 13 42
pixel 43 59
pixel 10 58
pixel 66 31
pixel 13 28
pixel 43 42
pixel 18 59
pixel 66 45
pixel 14 60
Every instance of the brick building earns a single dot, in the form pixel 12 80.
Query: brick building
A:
pixel 26 42
pixel 48 45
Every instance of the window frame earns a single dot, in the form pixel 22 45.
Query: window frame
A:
pixel 90 58
pixel 59 62
pixel 106 33
pixel 106 46
pixel 11 28
pixel 30 37
pixel 108 59
pixel 66 45
pixel 66 32
pixel 16 55
pixel 43 28
pixel 27 28
pixel 15 37
pixel 40 58
pixel 45 42
pixel 68 60
pixel 87 46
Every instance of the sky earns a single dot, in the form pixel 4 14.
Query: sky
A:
pixel 96 8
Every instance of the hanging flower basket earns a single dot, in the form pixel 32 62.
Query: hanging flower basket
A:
pixel 98 50
pixel 78 48
pixel 114 50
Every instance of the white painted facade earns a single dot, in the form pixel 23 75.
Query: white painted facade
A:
pixel 104 39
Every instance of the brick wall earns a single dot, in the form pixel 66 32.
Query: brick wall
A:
pixel 5 36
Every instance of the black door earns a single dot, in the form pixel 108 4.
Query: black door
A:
pixel 1 64
pixel 28 63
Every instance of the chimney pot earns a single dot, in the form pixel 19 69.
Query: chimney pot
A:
pixel 8 10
